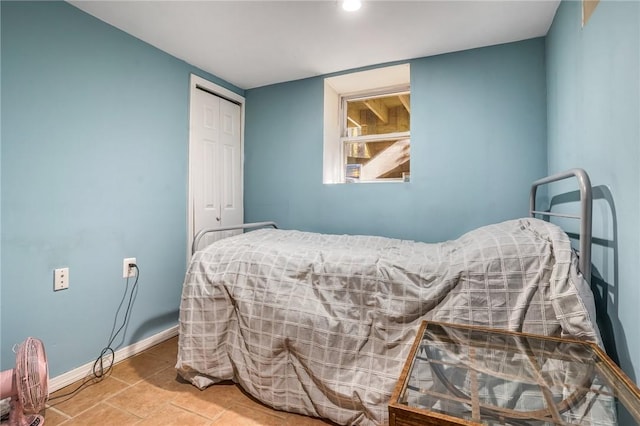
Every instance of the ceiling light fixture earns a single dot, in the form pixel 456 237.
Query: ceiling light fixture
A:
pixel 351 5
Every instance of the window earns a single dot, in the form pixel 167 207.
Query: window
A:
pixel 375 136
pixel 367 121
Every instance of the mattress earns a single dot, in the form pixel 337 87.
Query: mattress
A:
pixel 322 324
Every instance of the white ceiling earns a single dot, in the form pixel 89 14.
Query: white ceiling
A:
pixel 256 43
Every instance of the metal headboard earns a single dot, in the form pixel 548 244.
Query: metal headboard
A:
pixel 586 201
pixel 202 233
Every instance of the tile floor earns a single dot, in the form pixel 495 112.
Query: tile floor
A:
pixel 145 390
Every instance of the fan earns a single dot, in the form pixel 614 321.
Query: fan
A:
pixel 26 384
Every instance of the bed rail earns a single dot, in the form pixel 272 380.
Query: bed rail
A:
pixel 203 232
pixel 586 202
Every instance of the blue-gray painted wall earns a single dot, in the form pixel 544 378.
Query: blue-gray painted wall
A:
pixel 94 169
pixel 593 79
pixel 478 139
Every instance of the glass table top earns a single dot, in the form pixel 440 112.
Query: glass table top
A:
pixel 501 378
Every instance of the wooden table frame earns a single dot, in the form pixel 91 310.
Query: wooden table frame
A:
pixel 402 414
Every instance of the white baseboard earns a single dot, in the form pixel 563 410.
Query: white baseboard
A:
pixel 79 373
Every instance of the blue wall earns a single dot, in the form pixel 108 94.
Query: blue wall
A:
pixel 94 169
pixel 478 139
pixel 593 77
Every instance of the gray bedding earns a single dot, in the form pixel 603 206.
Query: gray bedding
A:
pixel 322 324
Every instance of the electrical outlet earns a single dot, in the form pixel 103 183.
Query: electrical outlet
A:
pixel 126 270
pixel 60 279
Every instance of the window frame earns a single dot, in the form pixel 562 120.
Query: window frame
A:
pixel 368 81
pixel 381 92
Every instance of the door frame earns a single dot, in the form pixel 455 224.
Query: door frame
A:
pixel 199 83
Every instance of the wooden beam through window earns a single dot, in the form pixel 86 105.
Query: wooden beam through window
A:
pixel 404 100
pixel 379 109
pixel 387 160
pixel 354 122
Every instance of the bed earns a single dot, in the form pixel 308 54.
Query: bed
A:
pixel 322 324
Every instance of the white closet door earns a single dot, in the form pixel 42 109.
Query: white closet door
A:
pixel 231 164
pixel 215 164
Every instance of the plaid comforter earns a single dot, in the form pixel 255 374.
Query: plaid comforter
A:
pixel 322 324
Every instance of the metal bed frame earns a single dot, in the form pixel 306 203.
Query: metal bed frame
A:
pixel 586 202
pixel 244 226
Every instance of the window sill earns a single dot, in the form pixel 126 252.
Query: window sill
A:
pixel 366 182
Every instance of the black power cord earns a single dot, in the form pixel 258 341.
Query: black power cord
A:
pixel 99 370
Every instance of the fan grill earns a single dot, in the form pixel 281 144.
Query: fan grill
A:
pixel 32 375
